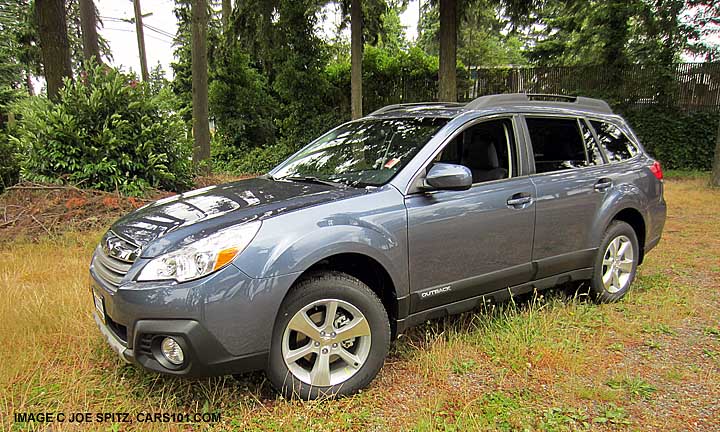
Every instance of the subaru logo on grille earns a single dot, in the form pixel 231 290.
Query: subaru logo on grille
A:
pixel 119 248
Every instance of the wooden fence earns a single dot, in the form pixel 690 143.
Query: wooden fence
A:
pixel 690 86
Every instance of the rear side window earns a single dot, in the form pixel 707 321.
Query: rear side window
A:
pixel 617 145
pixel 558 144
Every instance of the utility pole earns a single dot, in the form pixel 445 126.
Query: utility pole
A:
pixel 141 40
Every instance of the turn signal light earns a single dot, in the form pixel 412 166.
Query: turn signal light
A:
pixel 225 256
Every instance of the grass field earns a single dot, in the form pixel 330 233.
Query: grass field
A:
pixel 557 362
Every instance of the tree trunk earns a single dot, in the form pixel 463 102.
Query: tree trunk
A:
pixel 226 11
pixel 715 179
pixel 448 51
pixel 356 55
pixel 88 23
pixel 29 84
pixel 139 29
pixel 201 126
pixel 52 31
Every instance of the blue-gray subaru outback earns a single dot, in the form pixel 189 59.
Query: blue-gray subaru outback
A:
pixel 414 212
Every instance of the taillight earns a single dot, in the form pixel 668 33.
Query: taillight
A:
pixel 657 170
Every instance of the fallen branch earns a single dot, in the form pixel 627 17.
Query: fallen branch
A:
pixel 41 224
pixel 12 222
pixel 59 187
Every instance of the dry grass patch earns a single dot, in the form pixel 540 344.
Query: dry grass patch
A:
pixel 556 362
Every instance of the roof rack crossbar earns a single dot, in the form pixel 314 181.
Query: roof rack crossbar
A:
pixel 516 98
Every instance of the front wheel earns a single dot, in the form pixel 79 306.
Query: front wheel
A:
pixel 330 338
pixel 616 263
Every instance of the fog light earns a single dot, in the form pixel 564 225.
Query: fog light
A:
pixel 172 351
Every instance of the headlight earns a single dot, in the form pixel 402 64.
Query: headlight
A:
pixel 202 257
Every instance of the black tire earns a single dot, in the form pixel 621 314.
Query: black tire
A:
pixel 598 289
pixel 316 287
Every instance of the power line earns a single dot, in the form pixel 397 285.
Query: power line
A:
pixel 159 31
pixel 147 26
pixel 133 31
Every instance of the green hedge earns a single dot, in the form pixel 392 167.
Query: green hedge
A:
pixel 678 139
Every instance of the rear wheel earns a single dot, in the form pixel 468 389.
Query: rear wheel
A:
pixel 330 338
pixel 616 263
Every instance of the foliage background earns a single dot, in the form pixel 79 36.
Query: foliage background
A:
pixel 277 81
pixel 107 131
pixel 678 138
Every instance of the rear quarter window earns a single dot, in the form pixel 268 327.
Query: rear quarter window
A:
pixel 618 147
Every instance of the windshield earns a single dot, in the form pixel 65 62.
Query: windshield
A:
pixel 363 153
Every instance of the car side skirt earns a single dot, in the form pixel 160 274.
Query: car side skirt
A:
pixel 494 297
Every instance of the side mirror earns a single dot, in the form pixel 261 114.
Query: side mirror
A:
pixel 444 176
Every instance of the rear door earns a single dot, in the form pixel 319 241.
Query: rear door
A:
pixel 571 182
pixel 466 243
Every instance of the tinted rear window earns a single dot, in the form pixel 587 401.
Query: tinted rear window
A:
pixel 616 144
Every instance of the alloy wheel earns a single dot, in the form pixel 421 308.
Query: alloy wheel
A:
pixel 326 342
pixel 617 265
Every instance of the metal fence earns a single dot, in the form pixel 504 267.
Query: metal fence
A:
pixel 690 86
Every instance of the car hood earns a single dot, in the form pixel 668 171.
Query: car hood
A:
pixel 200 212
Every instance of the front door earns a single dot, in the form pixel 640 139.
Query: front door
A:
pixel 466 243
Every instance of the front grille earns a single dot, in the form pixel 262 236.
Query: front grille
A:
pixel 113 258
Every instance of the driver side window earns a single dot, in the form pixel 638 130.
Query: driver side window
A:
pixel 486 148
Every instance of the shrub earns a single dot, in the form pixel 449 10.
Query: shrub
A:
pixel 257 160
pixel 9 166
pixel 107 131
pixel 389 77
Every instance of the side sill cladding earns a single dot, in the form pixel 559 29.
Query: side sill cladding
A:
pixel 495 297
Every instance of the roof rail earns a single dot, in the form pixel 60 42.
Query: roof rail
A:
pixel 520 98
pixel 416 104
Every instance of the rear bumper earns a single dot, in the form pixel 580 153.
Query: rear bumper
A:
pixel 657 215
pixel 651 243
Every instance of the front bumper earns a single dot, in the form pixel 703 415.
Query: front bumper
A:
pixel 204 356
pixel 223 322
pixel 125 354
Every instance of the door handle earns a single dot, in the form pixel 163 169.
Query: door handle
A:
pixel 519 199
pixel 603 184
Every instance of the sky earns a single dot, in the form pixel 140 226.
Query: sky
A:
pixel 158 45
pixel 121 35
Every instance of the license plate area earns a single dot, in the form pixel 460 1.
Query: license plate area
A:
pixel 99 305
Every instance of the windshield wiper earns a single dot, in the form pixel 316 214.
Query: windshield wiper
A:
pixel 310 179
